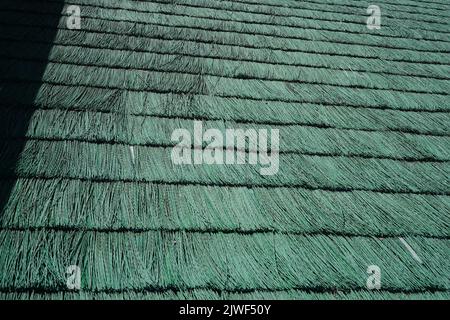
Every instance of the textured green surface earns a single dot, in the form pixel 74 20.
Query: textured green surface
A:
pixel 364 120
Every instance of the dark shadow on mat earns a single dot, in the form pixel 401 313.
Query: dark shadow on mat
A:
pixel 25 32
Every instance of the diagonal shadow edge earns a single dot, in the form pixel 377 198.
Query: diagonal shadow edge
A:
pixel 14 120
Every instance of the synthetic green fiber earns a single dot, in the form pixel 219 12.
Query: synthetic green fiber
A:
pixel 87 179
